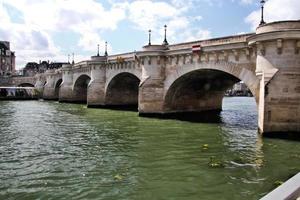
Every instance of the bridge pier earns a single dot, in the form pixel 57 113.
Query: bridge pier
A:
pixel 151 92
pixel 39 84
pixel 51 88
pixel 96 88
pixel 66 88
pixel 278 67
pixel 150 104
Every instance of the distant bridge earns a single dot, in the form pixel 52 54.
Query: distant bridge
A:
pixel 164 79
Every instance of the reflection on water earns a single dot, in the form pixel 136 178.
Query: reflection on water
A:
pixel 64 151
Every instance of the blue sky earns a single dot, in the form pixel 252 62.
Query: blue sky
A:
pixel 52 29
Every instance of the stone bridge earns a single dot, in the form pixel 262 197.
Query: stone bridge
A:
pixel 36 81
pixel 23 81
pixel 164 79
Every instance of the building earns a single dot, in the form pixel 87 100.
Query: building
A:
pixel 33 68
pixel 239 89
pixel 7 59
pixel 30 69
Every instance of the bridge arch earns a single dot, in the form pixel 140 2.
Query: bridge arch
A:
pixel 26 85
pixel 122 90
pixel 80 88
pixel 202 87
pixel 57 88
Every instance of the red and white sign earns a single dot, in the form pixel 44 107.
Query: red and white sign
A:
pixel 196 48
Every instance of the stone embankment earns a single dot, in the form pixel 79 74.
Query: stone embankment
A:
pixel 18 93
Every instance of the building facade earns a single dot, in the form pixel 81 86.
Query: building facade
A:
pixel 239 89
pixel 7 59
pixel 33 68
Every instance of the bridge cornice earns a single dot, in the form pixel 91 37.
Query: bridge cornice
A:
pixel 279 26
pixel 80 69
pixel 124 56
pixel 81 63
pixel 205 50
pixel 151 53
pixel 269 36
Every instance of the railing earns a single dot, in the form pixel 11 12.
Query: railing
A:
pixel 130 56
pixel 123 56
pixel 212 42
pixel 290 190
pixel 81 64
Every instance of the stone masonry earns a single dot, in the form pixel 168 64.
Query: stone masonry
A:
pixel 162 79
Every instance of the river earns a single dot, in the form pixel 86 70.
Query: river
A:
pixel 50 150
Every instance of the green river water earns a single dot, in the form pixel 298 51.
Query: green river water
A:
pixel 55 151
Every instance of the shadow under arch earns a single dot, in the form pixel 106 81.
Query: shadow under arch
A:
pixel 25 85
pixel 56 88
pixel 80 89
pixel 122 92
pixel 197 95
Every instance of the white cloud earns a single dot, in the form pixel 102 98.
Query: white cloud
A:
pixel 198 18
pixel 4 17
pixel 146 14
pixel 197 35
pixel 241 33
pixel 33 38
pixel 43 18
pixel 247 1
pixel 29 44
pixel 276 10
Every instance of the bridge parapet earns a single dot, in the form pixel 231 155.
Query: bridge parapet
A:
pixel 230 40
pixel 83 68
pixel 230 49
pixel 80 64
pixel 121 57
pixel 282 26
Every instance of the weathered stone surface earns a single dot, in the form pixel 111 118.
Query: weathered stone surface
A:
pixel 279 68
pixel 166 79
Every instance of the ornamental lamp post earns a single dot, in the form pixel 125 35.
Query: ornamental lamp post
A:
pixel 73 61
pixel 262 3
pixel 165 42
pixel 149 43
pixel 105 52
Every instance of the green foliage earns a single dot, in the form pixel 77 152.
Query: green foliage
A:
pixel 213 163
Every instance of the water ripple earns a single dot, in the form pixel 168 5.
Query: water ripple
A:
pixel 64 151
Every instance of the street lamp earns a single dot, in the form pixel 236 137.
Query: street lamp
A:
pixel 73 62
pixel 105 53
pixel 149 37
pixel 165 42
pixel 262 3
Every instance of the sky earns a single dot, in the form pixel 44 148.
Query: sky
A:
pixel 52 29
